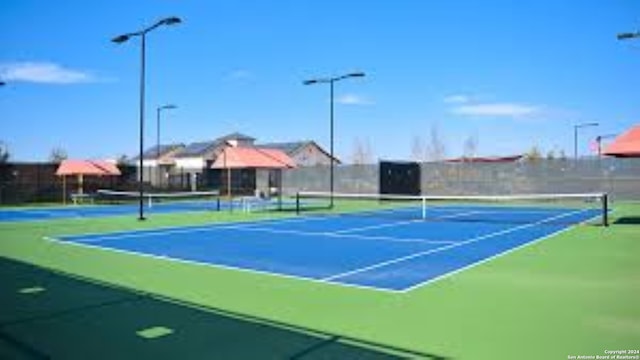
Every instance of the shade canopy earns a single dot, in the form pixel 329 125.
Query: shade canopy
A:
pixel 252 158
pixel 625 145
pixel 87 167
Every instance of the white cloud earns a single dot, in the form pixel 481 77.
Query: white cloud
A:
pixel 496 110
pixel 43 72
pixel 457 99
pixel 240 74
pixel 353 99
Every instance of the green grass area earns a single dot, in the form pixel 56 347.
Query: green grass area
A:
pixel 571 294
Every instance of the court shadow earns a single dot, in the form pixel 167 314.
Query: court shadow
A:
pixel 628 220
pixel 46 314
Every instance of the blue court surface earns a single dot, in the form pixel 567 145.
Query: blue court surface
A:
pixel 378 252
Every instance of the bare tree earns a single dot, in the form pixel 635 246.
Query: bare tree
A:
pixel 57 155
pixel 418 150
pixel 534 154
pixel 435 150
pixel 362 153
pixel 470 147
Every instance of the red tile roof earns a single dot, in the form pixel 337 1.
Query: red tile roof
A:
pixel 87 167
pixel 252 157
pixel 625 145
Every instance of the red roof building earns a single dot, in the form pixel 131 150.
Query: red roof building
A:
pixel 625 145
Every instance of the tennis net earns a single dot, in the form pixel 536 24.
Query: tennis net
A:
pixel 194 200
pixel 524 208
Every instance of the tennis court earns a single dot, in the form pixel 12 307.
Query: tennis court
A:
pixel 393 249
pixel 118 203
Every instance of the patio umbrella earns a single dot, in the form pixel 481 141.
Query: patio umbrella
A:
pixel 81 168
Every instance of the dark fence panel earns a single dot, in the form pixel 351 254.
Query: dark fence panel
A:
pixel 38 182
pixel 618 177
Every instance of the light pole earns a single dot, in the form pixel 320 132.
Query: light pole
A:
pixel 599 139
pixel 159 110
pixel 330 81
pixel 123 38
pixel 575 136
pixel 628 35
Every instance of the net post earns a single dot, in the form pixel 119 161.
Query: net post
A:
pixel 605 209
pixel 297 203
pixel 424 208
pixel 150 202
pixel 218 201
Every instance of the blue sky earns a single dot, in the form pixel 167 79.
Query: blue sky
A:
pixel 511 74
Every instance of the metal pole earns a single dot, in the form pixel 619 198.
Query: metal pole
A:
pixel 331 179
pixel 575 142
pixel 159 178
pixel 228 181
pixel 141 175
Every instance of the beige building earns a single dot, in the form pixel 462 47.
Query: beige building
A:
pixel 188 166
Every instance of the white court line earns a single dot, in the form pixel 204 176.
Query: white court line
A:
pixel 96 237
pixel 221 266
pixel 448 247
pixel 246 270
pixel 347 236
pixel 508 251
pixel 184 229
pixel 379 226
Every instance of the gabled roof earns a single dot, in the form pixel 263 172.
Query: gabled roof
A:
pixel 235 136
pixel 625 145
pixel 86 167
pixel 197 149
pixel 288 147
pixel 291 147
pixel 152 153
pixel 203 147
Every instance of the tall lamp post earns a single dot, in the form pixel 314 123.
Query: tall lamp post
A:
pixel 330 81
pixel 159 111
pixel 599 139
pixel 575 136
pixel 123 38
pixel 628 35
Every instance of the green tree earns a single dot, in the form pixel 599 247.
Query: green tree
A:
pixel 123 160
pixel 4 153
pixel 551 155
pixel 562 155
pixel 6 170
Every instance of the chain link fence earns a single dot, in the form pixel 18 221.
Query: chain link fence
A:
pixel 618 177
pixel 37 182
